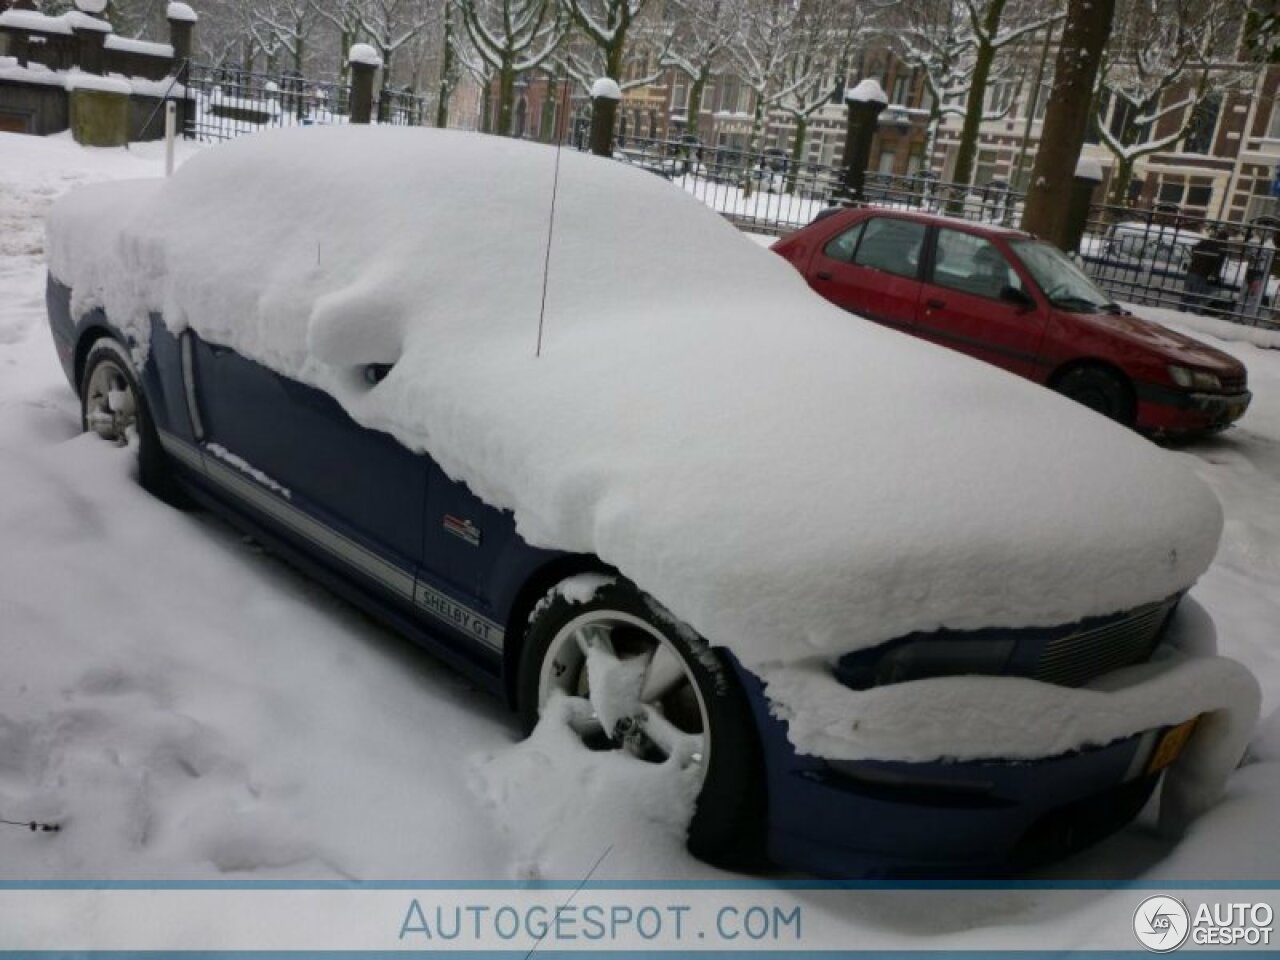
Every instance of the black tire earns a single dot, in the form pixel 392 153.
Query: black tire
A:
pixel 108 359
pixel 727 828
pixel 1100 390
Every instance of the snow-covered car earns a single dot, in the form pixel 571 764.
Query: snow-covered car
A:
pixel 886 609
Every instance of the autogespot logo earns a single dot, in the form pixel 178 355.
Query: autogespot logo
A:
pixel 1161 924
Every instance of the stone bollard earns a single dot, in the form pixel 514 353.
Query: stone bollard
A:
pixel 605 97
pixel 1083 184
pixel 866 102
pixel 365 64
pixel 99 110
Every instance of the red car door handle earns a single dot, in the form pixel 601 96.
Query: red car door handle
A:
pixel 935 304
pixel 823 275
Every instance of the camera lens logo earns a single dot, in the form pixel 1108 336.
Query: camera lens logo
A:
pixel 1161 924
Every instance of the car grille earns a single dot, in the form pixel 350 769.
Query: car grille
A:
pixel 1078 657
pixel 1232 384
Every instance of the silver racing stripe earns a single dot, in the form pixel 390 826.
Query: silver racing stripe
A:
pixel 399 581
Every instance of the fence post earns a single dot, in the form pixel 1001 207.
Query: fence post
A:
pixel 365 63
pixel 182 23
pixel 1088 176
pixel 866 102
pixel 605 96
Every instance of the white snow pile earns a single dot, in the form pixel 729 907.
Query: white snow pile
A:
pixel 789 481
pixel 606 88
pixel 1213 326
pixel 181 12
pixel 365 55
pixel 565 808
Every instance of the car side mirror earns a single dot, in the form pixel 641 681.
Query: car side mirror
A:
pixel 1018 297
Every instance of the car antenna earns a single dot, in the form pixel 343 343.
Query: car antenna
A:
pixel 551 222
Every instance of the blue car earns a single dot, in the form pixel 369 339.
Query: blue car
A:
pixel 401 532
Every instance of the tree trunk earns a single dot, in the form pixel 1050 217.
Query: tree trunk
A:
pixel 976 102
pixel 446 69
pixel 1121 174
pixel 486 106
pixel 547 123
pixel 695 99
pixel 757 126
pixel 613 55
pixel 344 62
pixel 797 152
pixel 1085 34
pixel 506 98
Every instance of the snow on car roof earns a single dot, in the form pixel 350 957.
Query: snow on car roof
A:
pixel 790 480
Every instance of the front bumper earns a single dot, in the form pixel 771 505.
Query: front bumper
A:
pixel 1169 411
pixel 877 819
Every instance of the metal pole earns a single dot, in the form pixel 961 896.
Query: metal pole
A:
pixel 170 134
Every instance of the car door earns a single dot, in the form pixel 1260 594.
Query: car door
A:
pixel 288 453
pixel 873 269
pixel 967 304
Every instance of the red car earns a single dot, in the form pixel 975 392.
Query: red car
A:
pixel 1005 297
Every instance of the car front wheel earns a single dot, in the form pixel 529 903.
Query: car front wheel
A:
pixel 640 682
pixel 112 406
pixel 1099 390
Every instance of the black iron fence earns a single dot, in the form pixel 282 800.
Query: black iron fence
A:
pixel 226 102
pixel 769 192
pixel 1158 258
pixel 1164 258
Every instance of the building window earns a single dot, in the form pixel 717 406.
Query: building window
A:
pixel 1199 196
pixel 901 89
pixel 1171 189
pixel 985 171
pixel 1042 101
pixel 1204 121
pixel 888 160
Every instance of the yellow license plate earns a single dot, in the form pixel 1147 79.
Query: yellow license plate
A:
pixel 1171 745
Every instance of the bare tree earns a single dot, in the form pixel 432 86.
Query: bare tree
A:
pixel 344 17
pixel 771 32
pixel 512 37
pixel 976 33
pixel 605 26
pixel 818 63
pixel 702 30
pixel 931 37
pixel 390 25
pixel 283 26
pixel 1165 65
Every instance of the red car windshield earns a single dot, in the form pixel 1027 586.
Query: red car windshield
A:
pixel 1064 284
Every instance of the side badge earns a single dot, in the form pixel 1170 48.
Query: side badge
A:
pixel 463 529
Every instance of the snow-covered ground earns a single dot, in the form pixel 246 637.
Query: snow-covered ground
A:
pixel 187 706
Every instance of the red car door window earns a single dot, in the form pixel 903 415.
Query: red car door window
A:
pixel 872 268
pixel 976 302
